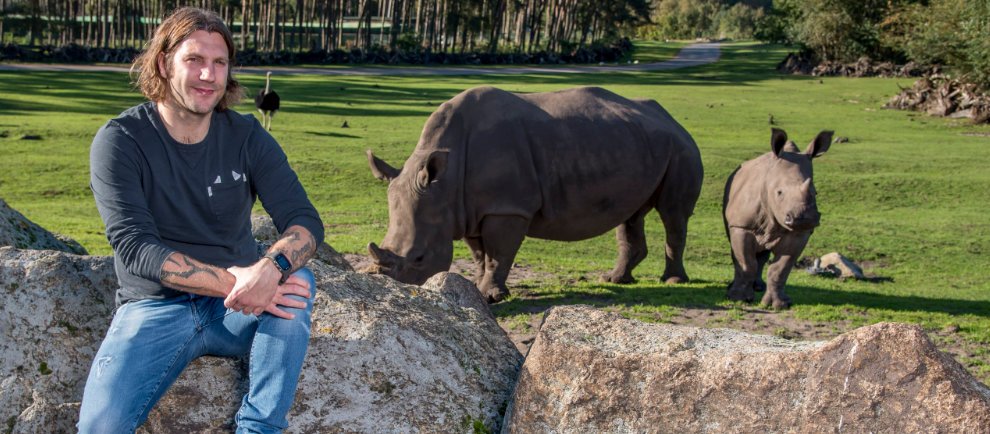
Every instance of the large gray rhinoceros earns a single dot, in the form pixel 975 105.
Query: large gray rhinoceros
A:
pixel 493 167
pixel 769 206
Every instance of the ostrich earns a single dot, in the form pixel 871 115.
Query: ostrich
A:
pixel 267 102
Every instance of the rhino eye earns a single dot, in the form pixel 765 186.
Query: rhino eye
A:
pixel 419 258
pixel 780 192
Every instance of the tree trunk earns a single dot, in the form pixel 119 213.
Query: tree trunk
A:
pixel 368 13
pixel 297 34
pixel 279 25
pixel 397 17
pixel 419 19
pixel 3 7
pixel 244 24
pixel 33 26
pixel 323 12
pixel 498 12
pixel 260 12
pixel 339 33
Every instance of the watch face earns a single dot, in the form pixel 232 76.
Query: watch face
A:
pixel 282 262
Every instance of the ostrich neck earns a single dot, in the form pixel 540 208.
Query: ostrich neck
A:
pixel 268 81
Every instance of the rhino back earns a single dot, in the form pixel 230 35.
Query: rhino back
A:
pixel 576 162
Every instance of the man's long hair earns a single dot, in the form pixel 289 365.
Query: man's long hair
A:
pixel 175 29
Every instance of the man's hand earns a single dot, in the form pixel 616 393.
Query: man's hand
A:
pixel 257 290
pixel 254 288
pixel 294 285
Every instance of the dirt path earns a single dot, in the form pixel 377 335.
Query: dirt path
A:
pixel 692 55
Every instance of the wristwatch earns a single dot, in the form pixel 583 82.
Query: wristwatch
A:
pixel 282 263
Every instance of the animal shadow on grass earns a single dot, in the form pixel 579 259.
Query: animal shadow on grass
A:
pixel 358 99
pixel 337 135
pixel 811 295
pixel 709 295
pixel 698 294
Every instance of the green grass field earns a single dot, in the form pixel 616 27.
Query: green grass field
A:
pixel 906 196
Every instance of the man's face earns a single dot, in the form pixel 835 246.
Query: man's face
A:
pixel 198 76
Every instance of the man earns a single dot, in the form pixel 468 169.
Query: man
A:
pixel 175 180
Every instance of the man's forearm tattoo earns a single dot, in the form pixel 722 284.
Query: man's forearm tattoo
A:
pixel 299 253
pixel 184 272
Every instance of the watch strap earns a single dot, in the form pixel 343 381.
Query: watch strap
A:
pixel 282 264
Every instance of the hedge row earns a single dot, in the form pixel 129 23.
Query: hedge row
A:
pixel 74 53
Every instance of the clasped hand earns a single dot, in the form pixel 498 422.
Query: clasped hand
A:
pixel 256 290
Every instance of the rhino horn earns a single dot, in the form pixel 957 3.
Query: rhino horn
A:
pixel 381 256
pixel 381 169
pixel 821 144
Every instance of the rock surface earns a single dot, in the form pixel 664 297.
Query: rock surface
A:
pixel 54 310
pixel 384 357
pixel 839 266
pixel 592 371
pixel 17 231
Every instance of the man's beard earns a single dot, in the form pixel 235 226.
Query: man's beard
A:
pixel 190 106
pixel 181 98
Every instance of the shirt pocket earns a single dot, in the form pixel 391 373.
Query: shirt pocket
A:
pixel 230 201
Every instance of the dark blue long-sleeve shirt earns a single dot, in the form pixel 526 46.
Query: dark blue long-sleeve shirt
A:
pixel 157 196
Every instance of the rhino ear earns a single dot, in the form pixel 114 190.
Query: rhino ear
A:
pixel 821 144
pixel 381 169
pixel 778 139
pixel 435 165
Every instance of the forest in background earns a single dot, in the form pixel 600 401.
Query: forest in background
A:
pixel 952 33
pixel 448 26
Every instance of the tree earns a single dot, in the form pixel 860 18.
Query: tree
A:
pixel 301 25
pixel 689 19
pixel 841 30
pixel 955 33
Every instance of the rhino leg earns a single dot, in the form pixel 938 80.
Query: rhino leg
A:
pixel 744 246
pixel 776 278
pixel 501 237
pixel 675 200
pixel 761 260
pixel 786 252
pixel 631 239
pixel 478 254
pixel 675 225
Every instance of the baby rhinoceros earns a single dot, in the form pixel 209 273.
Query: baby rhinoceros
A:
pixel 769 207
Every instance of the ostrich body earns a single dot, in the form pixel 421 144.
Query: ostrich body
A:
pixel 267 102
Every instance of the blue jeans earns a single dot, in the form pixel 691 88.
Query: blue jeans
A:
pixel 150 342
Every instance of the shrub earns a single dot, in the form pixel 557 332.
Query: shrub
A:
pixel 954 33
pixel 775 25
pixel 688 19
pixel 835 30
pixel 738 21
